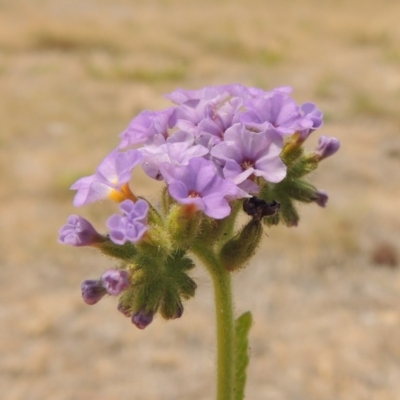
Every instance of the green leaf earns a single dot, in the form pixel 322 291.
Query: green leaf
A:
pixel 242 328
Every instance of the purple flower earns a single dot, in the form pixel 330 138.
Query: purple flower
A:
pixel 208 141
pixel 173 151
pixel 221 118
pixel 276 110
pixel 132 225
pixel 92 291
pixel 142 319
pixel 327 146
pixel 210 111
pixel 199 184
pixel 188 115
pixel 110 179
pixel 311 113
pixel 115 281
pixel 247 153
pixel 145 126
pixel 79 232
pixel 181 96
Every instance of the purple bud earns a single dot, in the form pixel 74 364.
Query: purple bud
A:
pixel 321 198
pixel 141 319
pixel 178 312
pixel 92 291
pixel 327 146
pixel 115 281
pixel 79 232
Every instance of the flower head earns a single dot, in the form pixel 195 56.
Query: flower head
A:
pixel 213 148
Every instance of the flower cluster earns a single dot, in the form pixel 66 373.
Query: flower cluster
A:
pixel 213 148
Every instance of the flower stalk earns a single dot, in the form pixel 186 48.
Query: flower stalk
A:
pixel 221 279
pixel 226 365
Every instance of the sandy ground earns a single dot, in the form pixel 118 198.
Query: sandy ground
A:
pixel 327 317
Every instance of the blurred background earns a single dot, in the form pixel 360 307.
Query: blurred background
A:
pixel 325 295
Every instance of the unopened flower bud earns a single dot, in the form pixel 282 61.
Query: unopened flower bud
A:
pixel 321 198
pixel 141 319
pixel 327 146
pixel 92 291
pixel 115 281
pixel 238 251
pixel 79 232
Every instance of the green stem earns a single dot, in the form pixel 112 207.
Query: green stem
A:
pixel 225 325
pixel 225 335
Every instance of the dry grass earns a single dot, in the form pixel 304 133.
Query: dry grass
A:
pixel 72 75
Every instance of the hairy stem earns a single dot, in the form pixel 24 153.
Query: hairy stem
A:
pixel 225 335
pixel 225 325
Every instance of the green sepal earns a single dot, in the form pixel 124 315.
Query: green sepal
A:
pixel 157 242
pixel 302 190
pixel 127 300
pixel 284 193
pixel 146 295
pixel 301 167
pixel 292 150
pixel 208 232
pixel 298 164
pixel 272 220
pixel 153 216
pixel 126 252
pixel 288 213
pixel 237 252
pixel 183 226
pixel 214 232
pixel 160 285
pixel 166 200
pixel 171 305
pixel 242 328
